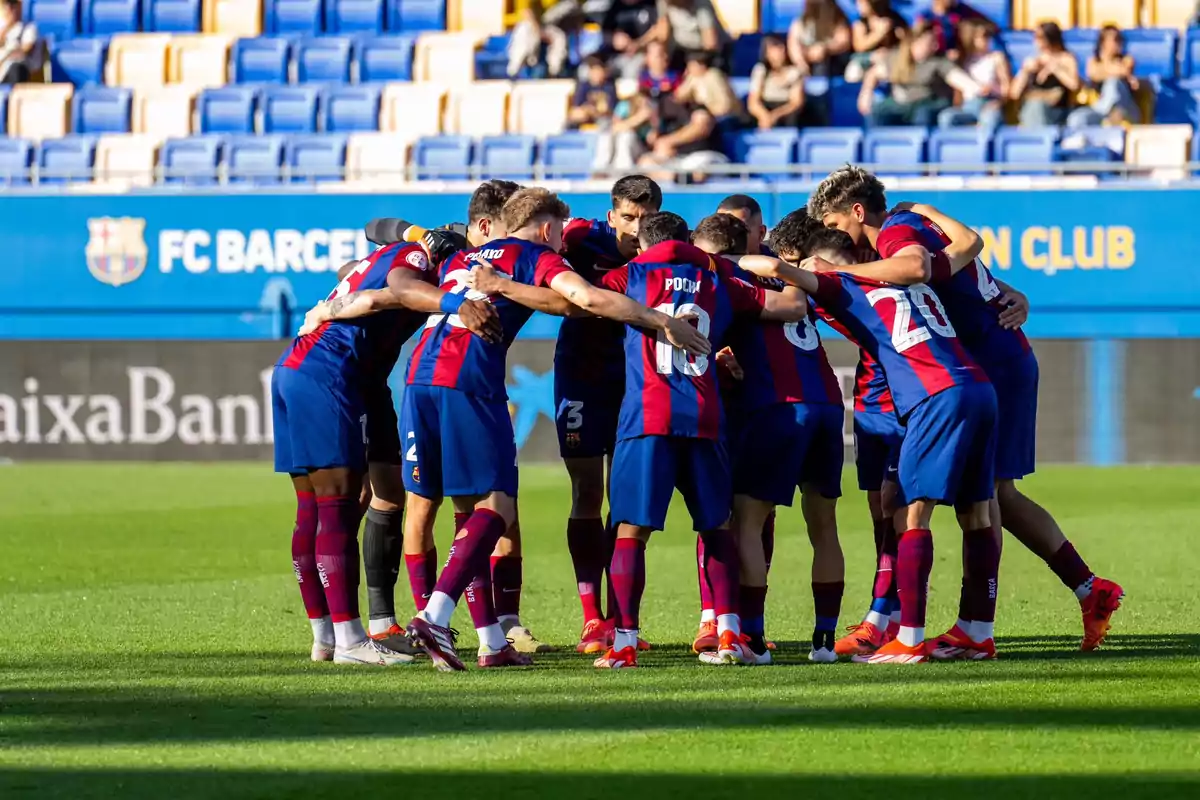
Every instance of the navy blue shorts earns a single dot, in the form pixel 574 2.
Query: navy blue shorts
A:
pixel 318 424
pixel 1016 386
pixel 877 436
pixel 949 450
pixel 456 444
pixel 586 414
pixel 788 445
pixel 383 429
pixel 647 470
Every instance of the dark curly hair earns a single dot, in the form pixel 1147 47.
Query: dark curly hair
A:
pixel 725 232
pixel 831 242
pixel 791 234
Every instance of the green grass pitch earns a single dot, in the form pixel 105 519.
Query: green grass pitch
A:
pixel 153 645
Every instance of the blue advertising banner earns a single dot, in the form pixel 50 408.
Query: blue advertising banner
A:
pixel 1096 264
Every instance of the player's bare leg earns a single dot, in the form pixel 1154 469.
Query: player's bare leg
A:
pixel 304 564
pixel 914 562
pixel 749 517
pixel 383 545
pixel 828 570
pixel 1034 527
pixel 628 575
pixel 506 570
pixel 586 541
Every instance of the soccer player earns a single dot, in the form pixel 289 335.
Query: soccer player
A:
pixel 671 430
pixel 854 200
pixel 746 208
pixel 589 374
pixel 786 432
pixel 321 422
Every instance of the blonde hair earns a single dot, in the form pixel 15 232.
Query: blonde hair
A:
pixel 845 187
pixel 529 205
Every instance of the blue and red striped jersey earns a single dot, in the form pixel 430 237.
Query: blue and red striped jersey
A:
pixel 365 348
pixel 971 297
pixel 448 354
pixel 667 391
pixel 588 348
pixel 905 329
pixel 871 392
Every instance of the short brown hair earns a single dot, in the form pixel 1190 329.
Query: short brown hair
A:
pixel 845 187
pixel 528 205
pixel 488 199
pixel 725 232
pixel 831 241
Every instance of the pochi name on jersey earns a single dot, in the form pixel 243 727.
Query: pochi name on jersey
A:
pixel 590 348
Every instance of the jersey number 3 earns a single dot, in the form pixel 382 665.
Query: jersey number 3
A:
pixel 904 333
pixel 668 358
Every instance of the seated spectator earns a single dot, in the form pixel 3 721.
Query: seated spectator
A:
pixel 595 97
pixel 1048 80
pixel 692 26
pixel 21 51
pixel 1110 71
pixel 776 87
pixel 686 136
pixel 922 82
pixel 634 120
pixel 988 67
pixel 947 16
pixel 536 50
pixel 628 27
pixel 877 30
pixel 819 39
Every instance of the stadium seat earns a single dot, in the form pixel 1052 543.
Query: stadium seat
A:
pixel 569 156
pixel 193 160
pixel 293 16
pixel 483 16
pixel 416 15
pixel 443 158
pixel 1030 13
pixel 1110 138
pixel 491 60
pixel 67 160
pixel 1019 46
pixel 125 160
pixel 539 108
pixel 746 49
pixel 774 148
pixel 137 60
pixel 77 61
pixel 384 58
pixel 199 61
pixel 234 17
pixel 1191 53
pixel 1175 101
pixel 895 150
pixel 1098 13
pixel 509 157
pixel 1169 13
pixel 377 158
pixel 1024 146
pixel 350 108
pixel 229 109
pixel 354 16
pixel 777 15
pixel 315 158
pixel 829 147
pixel 171 16
pixel 254 159
pixel 412 109
pixel 738 16
pixel 478 109
pixel 843 104
pixel 1153 51
pixel 323 60
pixel 1082 44
pixel 4 92
pixel 16 160
pixel 56 19
pixel 39 111
pixel 261 60
pixel 1158 146
pixel 289 109
pixel 106 17
pixel 446 57
pixel 963 150
pixel 998 11
pixel 102 109
pixel 165 112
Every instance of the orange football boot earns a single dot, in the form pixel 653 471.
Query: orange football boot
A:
pixel 1098 608
pixel 863 639
pixel 947 646
pixel 611 627
pixel 706 638
pixel 617 659
pixel 895 652
pixel 594 637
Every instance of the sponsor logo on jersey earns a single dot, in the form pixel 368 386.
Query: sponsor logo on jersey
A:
pixel 116 249
pixel 417 259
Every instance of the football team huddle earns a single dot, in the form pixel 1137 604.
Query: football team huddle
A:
pixel 687 360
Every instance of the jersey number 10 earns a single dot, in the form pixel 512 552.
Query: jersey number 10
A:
pixel 667 357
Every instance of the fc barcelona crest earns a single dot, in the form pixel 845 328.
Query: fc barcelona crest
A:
pixel 572 440
pixel 116 249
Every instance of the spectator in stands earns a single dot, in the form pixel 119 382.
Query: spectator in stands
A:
pixel 595 97
pixel 1110 71
pixel 922 82
pixel 776 87
pixel 877 30
pixel 21 50
pixel 536 50
pixel 819 39
pixel 1048 80
pixel 693 26
pixel 687 136
pixel 988 67
pixel 635 119
pixel 947 16
pixel 628 27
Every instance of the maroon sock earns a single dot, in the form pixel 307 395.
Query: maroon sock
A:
pixel 706 592
pixel 334 543
pixel 460 519
pixel 983 568
pixel 722 565
pixel 506 585
pixel 885 560
pixel 304 556
pixel 966 606
pixel 914 562
pixel 768 537
pixel 470 552
pixel 827 603
pixel 479 600
pixel 752 604
pixel 1069 567
pixel 606 557
pixel 628 576
pixel 586 543
pixel 422 576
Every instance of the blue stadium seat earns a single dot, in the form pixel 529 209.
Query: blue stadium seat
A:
pixel 960 147
pixel 745 54
pixel 384 58
pixel 228 109
pixel 171 16
pixel 777 15
pixel 416 15
pixel 1012 145
pixel 893 149
pixel 1108 142
pixel 843 104
pixel 491 60
pixel 1082 44
pixel 569 156
pixel 289 109
pixel 829 147
pixel 16 159
pixel 350 108
pixel 261 60
pixel 1191 53
pixel 254 159
pixel 320 158
pixel 292 16
pixel 78 61
pixel 67 160
pixel 1175 101
pixel 775 148
pixel 4 91
pixel 1019 46
pixel 56 19
pixel 192 161
pixel 443 157
pixel 354 16
pixel 101 109
pixel 508 157
pixel 104 17
pixel 998 11
pixel 1153 51
pixel 1195 149
pixel 323 60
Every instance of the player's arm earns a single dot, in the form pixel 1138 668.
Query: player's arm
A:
pixel 769 267
pixel 790 305
pixel 1016 306
pixel 965 244
pixel 912 263
pixel 484 278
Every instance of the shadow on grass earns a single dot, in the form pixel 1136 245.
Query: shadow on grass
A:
pixel 1136 645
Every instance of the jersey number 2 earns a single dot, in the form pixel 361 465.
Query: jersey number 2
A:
pixel 929 306
pixel 667 357
pixel 458 279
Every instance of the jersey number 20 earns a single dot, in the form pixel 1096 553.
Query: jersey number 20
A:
pixel 904 334
pixel 667 357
